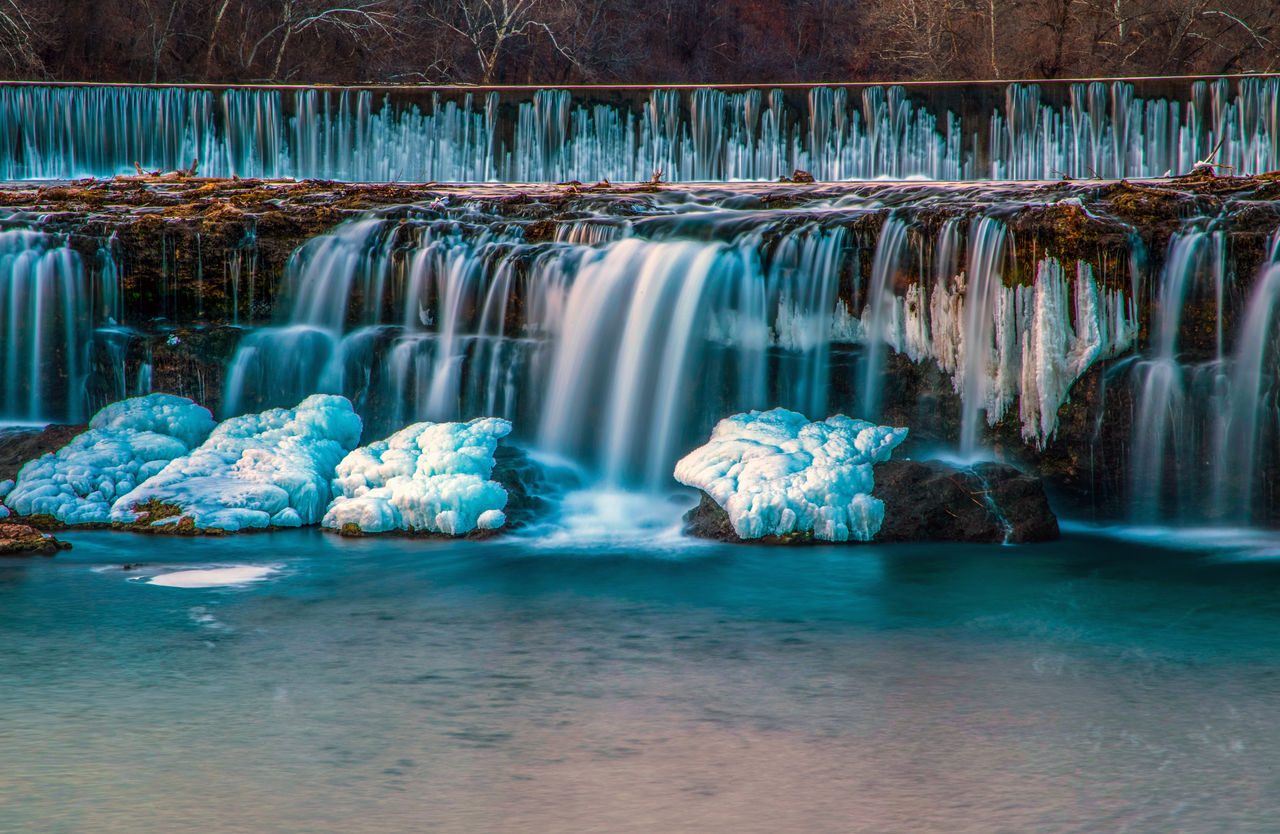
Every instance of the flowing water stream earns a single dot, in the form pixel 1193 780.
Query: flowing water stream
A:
pixel 1095 684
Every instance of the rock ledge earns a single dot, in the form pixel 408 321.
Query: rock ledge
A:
pixel 21 540
pixel 929 501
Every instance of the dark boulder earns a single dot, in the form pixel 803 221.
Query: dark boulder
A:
pixel 531 490
pixel 928 501
pixel 708 520
pixel 18 446
pixel 935 501
pixel 1021 501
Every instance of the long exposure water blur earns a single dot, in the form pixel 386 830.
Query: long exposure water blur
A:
pixel 588 682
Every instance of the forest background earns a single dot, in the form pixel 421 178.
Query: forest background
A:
pixel 560 42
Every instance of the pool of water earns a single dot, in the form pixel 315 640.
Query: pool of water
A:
pixel 300 682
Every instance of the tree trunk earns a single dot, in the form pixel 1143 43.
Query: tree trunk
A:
pixel 213 37
pixel 991 18
pixel 284 42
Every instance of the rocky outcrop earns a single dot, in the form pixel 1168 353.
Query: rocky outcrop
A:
pixel 18 446
pixel 936 501
pixel 21 540
pixel 929 501
pixel 199 262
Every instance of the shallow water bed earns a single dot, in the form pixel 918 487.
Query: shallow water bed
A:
pixel 312 683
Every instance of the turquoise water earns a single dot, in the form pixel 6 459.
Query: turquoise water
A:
pixel 556 685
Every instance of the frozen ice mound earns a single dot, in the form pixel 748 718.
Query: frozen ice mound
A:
pixel 776 473
pixel 127 442
pixel 258 470
pixel 427 477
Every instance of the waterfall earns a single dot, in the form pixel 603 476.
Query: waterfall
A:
pixel 620 345
pixel 1099 129
pixel 615 332
pixel 344 287
pixel 891 252
pixel 984 339
pixel 1163 422
pixel 999 344
pixel 45 327
pixel 1238 462
pixel 802 285
pixel 612 348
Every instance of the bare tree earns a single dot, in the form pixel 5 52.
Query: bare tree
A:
pixel 161 21
pixel 490 27
pixel 214 28
pixel 358 21
pixel 18 36
pixel 920 34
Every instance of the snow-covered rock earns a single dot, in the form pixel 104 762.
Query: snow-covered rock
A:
pixel 127 442
pixel 776 473
pixel 258 470
pixel 428 477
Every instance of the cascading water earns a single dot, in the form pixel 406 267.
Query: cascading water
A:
pixel 619 345
pixel 617 338
pixel 328 345
pixel 1250 404
pixel 889 261
pixel 1101 129
pixel 623 351
pixel 45 327
pixel 984 342
pixel 620 351
pixel 999 344
pixel 1162 423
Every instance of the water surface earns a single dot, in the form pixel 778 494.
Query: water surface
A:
pixel 1095 684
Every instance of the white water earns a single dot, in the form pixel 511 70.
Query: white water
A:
pixel 1193 256
pixel 1102 130
pixel 621 342
pixel 889 261
pixel 621 350
pixel 45 326
pixel 1237 462
pixel 981 339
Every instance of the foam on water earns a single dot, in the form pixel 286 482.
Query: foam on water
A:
pixel 1224 542
pixel 214 577
pixel 611 519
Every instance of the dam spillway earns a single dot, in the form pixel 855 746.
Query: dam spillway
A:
pixel 1109 128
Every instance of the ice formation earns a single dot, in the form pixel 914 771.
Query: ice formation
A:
pixel 428 477
pixel 258 470
pixel 127 442
pixel 1041 339
pixel 5 488
pixel 774 473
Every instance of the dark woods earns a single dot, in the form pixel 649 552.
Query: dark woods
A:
pixel 629 41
